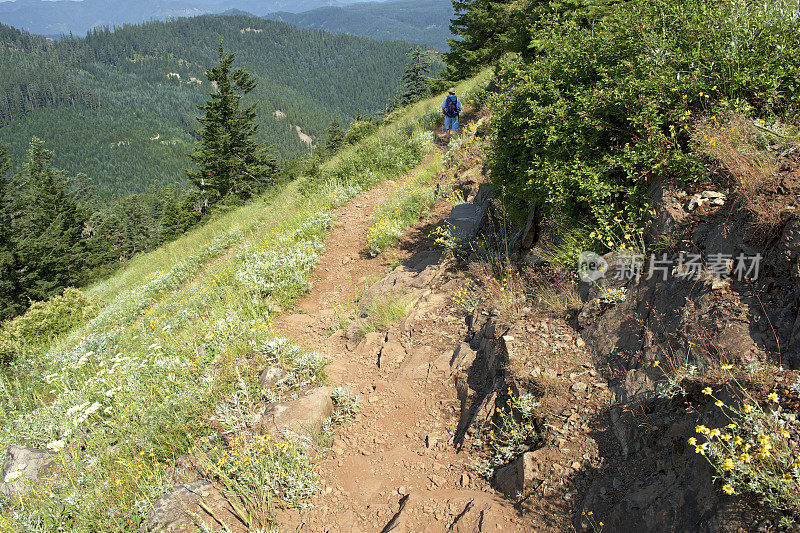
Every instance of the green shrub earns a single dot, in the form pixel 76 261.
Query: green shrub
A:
pixel 604 111
pixel 360 129
pixel 43 322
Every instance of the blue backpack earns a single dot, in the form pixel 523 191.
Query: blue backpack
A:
pixel 451 106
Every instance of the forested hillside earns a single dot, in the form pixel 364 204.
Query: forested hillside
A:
pixel 119 106
pixel 420 21
pixel 57 17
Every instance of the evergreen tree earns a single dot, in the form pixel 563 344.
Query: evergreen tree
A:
pixel 173 221
pixel 490 28
pixel 415 78
pixel 335 136
pixel 232 165
pixel 8 286
pixel 47 249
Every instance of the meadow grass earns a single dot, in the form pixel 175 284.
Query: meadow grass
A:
pixel 403 208
pixel 383 313
pixel 167 363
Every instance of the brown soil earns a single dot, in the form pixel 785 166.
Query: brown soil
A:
pixel 399 452
pixel 388 452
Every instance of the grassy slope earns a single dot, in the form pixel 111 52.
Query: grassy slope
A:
pixel 174 353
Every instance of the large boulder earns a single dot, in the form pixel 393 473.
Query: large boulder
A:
pixel 392 354
pixel 302 417
pixel 272 376
pixel 22 466
pixel 522 474
pixel 465 220
pixel 409 280
pixel 190 507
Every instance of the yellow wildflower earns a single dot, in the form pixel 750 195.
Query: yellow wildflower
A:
pixel 701 449
pixel 707 391
pixel 745 458
pixel 727 489
pixel 772 397
pixel 727 464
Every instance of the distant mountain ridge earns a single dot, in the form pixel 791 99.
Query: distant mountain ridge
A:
pixel 420 21
pixel 120 106
pixel 57 17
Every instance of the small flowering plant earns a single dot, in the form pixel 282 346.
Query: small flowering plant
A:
pixel 612 295
pixel 514 431
pixel 754 453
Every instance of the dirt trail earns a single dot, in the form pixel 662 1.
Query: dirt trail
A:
pixel 398 452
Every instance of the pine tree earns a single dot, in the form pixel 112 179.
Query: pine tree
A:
pixel 8 285
pixel 232 165
pixel 172 223
pixel 47 249
pixel 490 28
pixel 335 136
pixel 487 30
pixel 415 79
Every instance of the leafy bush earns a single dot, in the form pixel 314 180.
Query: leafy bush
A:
pixel 360 129
pixel 43 322
pixel 604 111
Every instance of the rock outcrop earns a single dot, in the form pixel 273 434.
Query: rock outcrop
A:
pixel 302 417
pixel 22 467
pixel 192 507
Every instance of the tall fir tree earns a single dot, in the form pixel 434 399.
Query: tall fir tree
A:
pixel 415 78
pixel 173 222
pixel 335 136
pixel 9 288
pixel 487 29
pixel 232 165
pixel 48 251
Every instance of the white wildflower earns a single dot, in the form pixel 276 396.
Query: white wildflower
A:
pixel 56 445
pixel 14 475
pixel 76 408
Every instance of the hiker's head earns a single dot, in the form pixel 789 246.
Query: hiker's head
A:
pixel 451 90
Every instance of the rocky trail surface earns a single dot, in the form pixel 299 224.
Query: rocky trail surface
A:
pixel 427 388
pixel 395 467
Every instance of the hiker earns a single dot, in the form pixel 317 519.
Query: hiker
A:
pixel 451 107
